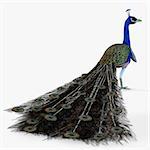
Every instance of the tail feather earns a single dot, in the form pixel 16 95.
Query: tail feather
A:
pixel 89 108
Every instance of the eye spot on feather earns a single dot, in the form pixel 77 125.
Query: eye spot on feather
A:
pixel 71 134
pixel 102 87
pixel 60 88
pixel 85 118
pixel 117 111
pixel 66 106
pixel 54 96
pixel 100 136
pixel 32 121
pixel 50 109
pixel 36 109
pixel 79 93
pixel 29 128
pixel 114 80
pixel 50 117
pixel 117 130
pixel 111 94
pixel 89 99
pixel 38 100
pixel 18 109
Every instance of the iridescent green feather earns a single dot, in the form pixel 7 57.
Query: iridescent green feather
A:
pixel 117 54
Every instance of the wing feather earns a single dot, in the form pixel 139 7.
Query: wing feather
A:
pixel 118 54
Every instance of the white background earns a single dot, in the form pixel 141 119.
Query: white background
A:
pixel 44 45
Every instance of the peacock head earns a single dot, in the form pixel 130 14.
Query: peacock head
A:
pixel 131 19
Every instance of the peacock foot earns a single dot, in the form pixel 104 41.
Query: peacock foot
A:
pixel 124 87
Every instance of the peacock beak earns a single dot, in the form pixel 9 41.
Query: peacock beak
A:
pixel 138 20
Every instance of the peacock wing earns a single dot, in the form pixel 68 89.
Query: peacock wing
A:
pixel 117 54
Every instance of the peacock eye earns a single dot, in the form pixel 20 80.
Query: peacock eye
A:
pixel 132 19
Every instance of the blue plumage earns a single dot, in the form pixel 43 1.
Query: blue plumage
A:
pixel 130 20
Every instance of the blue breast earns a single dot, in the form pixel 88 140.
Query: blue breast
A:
pixel 129 57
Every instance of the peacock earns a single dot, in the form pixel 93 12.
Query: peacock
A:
pixel 89 108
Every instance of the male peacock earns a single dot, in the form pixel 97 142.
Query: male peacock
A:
pixel 89 108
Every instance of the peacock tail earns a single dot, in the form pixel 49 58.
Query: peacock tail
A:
pixel 89 108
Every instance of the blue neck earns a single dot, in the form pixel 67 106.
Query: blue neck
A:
pixel 126 39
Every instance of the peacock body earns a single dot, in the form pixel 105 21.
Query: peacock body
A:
pixel 89 108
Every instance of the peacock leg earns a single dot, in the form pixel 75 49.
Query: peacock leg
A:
pixel 120 77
